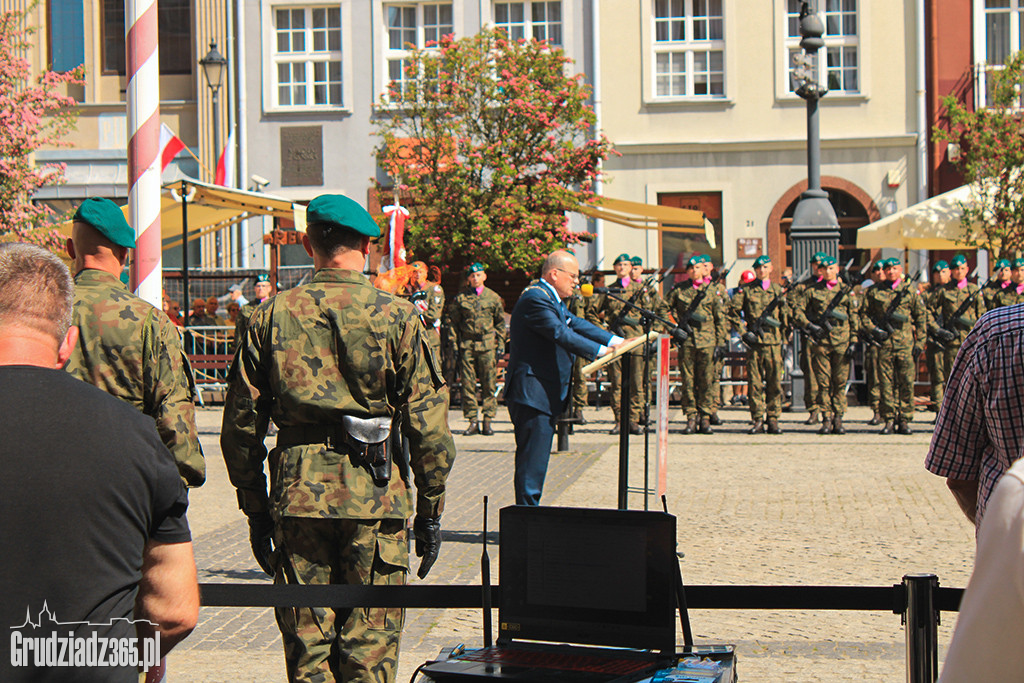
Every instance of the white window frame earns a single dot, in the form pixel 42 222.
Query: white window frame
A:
pixel 270 60
pixel 386 54
pixel 791 44
pixel 688 47
pixel 982 68
pixel 528 25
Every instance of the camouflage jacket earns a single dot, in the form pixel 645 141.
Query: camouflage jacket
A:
pixel 132 351
pixel 618 318
pixel 991 291
pixel 312 354
pixel 707 321
pixel 1007 296
pixel 910 320
pixel 479 320
pixel 750 301
pixel 844 317
pixel 242 319
pixel 949 299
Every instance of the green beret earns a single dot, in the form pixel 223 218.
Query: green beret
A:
pixel 879 264
pixel 826 260
pixel 958 260
pixel 1002 263
pixel 622 258
pixel 475 268
pixel 636 261
pixel 818 255
pixel 262 277
pixel 1018 263
pixel 940 265
pixel 762 261
pixel 703 258
pixel 108 219
pixel 339 210
pixel 893 261
pixel 694 261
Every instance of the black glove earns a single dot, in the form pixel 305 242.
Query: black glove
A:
pixel 879 335
pixel 719 353
pixel 680 335
pixel 261 528
pixel 815 330
pixel 427 531
pixel 943 335
pixel 750 339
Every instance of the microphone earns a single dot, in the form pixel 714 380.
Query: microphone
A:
pixel 588 290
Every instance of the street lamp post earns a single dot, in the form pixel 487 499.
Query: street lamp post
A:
pixel 214 65
pixel 815 226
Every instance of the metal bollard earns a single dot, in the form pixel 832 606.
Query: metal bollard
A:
pixel 562 441
pixel 921 620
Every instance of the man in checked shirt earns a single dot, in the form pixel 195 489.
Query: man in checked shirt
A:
pixel 979 432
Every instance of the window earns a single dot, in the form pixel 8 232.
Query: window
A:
pixel 174 26
pixel 1001 28
pixel 689 48
pixel 66 34
pixel 306 57
pixel 411 26
pixel 526 20
pixel 840 70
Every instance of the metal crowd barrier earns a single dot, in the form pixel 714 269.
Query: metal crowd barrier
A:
pixel 209 349
pixel 918 599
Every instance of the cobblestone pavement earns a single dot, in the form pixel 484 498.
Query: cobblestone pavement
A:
pixel 795 509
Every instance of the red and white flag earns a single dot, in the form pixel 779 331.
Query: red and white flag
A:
pixel 170 145
pixel 395 256
pixel 226 164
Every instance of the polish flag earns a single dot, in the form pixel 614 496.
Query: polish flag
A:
pixel 395 256
pixel 226 164
pixel 170 145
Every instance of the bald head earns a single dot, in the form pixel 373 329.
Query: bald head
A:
pixel 561 271
pixel 559 259
pixel 90 249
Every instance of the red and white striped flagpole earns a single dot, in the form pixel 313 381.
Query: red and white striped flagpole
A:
pixel 143 62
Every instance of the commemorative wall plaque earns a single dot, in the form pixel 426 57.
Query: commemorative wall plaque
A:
pixel 302 156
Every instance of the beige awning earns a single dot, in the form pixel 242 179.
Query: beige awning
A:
pixel 934 223
pixel 650 217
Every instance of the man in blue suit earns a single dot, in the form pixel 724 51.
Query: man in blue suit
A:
pixel 545 338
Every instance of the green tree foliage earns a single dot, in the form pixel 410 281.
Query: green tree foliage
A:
pixel 32 115
pixel 991 159
pixel 492 142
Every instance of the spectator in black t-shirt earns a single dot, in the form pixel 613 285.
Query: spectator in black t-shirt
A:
pixel 92 510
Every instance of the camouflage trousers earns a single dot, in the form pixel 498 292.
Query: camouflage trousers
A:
pixel 831 369
pixel 764 381
pixel 580 394
pixel 937 372
pixel 871 376
pixel 716 385
pixel 810 380
pixel 323 645
pixel 483 366
pixel 896 371
pixel 698 370
pixel 636 391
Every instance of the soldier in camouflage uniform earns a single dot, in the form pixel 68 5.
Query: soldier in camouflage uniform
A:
pixel 264 290
pixel 900 336
pixel 695 306
pixel 1014 294
pixel 428 298
pixel 722 292
pixel 828 315
pixel 578 306
pixel 764 343
pixel 810 379
pixel 1000 282
pixel 336 362
pixel 871 375
pixel 478 318
pixel 952 332
pixel 126 347
pixel 621 320
pixel 934 356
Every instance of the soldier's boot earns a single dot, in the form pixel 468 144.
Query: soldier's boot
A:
pixel 486 429
pixel 691 424
pixel 615 428
pixel 888 428
pixel 758 427
pixel 473 428
pixel 837 425
pixel 715 420
pixel 826 425
pixel 903 427
pixel 635 428
pixel 773 426
pixel 578 416
pixel 876 419
pixel 812 419
pixel 705 425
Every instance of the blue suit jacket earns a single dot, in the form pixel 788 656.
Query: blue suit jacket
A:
pixel 545 338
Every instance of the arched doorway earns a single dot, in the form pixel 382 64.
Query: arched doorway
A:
pixel 854 208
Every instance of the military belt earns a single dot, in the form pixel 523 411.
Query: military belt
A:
pixel 328 435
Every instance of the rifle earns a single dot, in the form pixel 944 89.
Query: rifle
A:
pixel 685 327
pixel 945 334
pixel 755 329
pixel 820 328
pixel 883 328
